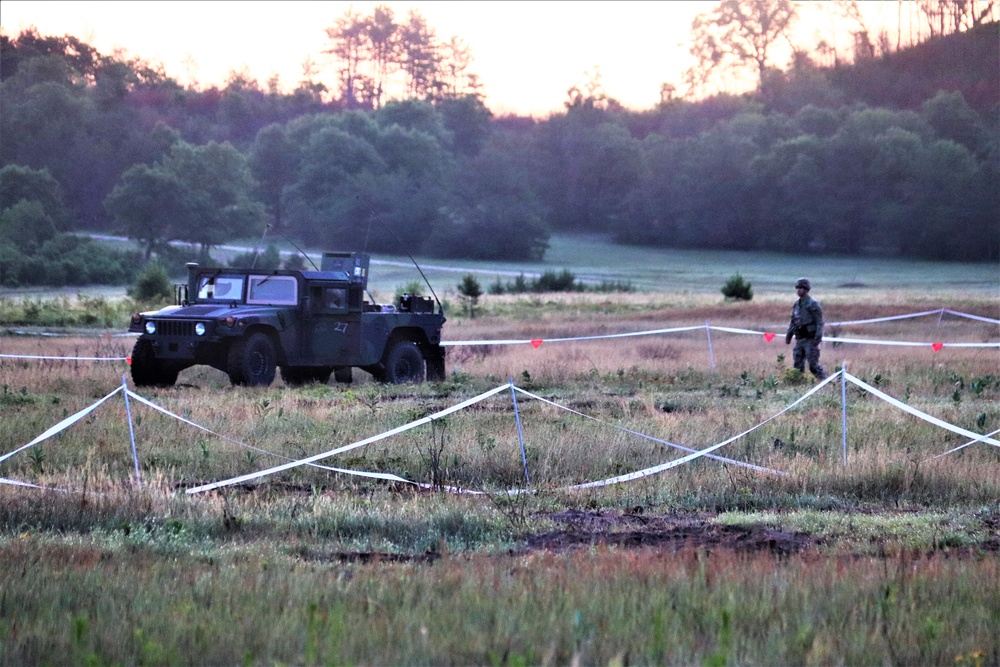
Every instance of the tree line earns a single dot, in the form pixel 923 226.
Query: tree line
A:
pixel 809 162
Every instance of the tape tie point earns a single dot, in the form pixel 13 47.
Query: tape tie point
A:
pixel 128 360
pixel 769 337
pixel 937 346
pixel 536 343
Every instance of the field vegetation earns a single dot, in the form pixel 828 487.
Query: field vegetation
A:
pixel 891 557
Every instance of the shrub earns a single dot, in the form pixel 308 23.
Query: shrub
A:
pixel 497 287
pixel 414 287
pixel 737 288
pixel 26 226
pixel 550 281
pixel 152 284
pixel 269 260
pixel 295 262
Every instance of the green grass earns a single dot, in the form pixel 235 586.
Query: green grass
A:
pixel 870 532
pixel 78 602
pixel 660 270
pixel 680 274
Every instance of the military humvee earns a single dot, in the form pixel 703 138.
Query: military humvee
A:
pixel 310 324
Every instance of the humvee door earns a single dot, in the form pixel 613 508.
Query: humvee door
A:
pixel 331 335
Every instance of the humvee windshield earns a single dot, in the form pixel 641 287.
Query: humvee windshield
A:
pixel 220 287
pixel 280 290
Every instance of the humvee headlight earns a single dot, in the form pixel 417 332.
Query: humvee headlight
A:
pixel 151 328
pixel 200 328
pixel 230 321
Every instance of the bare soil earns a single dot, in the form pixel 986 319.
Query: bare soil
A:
pixel 582 530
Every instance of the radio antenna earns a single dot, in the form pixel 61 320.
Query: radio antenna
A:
pixel 301 252
pixel 403 246
pixel 256 251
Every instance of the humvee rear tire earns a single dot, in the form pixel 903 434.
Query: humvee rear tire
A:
pixel 147 370
pixel 404 363
pixel 298 375
pixel 252 361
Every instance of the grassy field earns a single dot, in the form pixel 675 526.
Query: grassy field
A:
pixel 893 557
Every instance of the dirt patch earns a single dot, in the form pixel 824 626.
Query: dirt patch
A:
pixel 580 530
pixel 585 529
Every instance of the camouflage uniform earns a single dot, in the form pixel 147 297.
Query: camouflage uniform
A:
pixel 807 327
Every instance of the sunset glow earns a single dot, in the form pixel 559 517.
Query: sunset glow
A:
pixel 526 55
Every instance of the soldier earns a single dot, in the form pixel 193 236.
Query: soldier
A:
pixel 807 327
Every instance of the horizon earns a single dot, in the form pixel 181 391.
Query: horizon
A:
pixel 562 48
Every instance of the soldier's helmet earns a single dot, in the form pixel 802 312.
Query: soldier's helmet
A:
pixel 803 282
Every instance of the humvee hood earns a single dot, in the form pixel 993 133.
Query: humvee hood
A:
pixel 210 311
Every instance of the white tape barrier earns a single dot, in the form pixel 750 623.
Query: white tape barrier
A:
pixel 360 473
pixel 621 478
pixel 721 459
pixel 538 341
pixel 971 442
pixel 768 336
pixel 642 473
pixel 49 334
pixel 615 480
pixel 39 356
pixel 698 454
pixel 388 477
pixel 922 415
pixel 939 311
pixel 354 445
pixel 890 318
pixel 69 421
pixel 868 341
pixel 936 346
pixel 14 482
pixel 396 478
pixel 64 424
pixel 973 317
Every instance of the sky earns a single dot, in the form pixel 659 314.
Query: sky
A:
pixel 527 54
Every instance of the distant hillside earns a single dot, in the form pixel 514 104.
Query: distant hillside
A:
pixel 968 62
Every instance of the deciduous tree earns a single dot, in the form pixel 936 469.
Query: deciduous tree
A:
pixel 738 34
pixel 198 194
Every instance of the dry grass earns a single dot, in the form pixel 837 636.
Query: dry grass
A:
pixel 662 385
pixel 904 568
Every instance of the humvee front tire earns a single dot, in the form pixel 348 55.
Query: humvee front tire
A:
pixel 147 370
pixel 404 363
pixel 252 361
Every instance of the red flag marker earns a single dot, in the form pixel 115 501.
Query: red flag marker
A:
pixel 536 343
pixel 769 337
pixel 937 346
pixel 128 360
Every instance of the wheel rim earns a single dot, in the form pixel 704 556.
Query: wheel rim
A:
pixel 257 365
pixel 404 369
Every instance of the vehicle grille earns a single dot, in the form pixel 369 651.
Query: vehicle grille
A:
pixel 178 328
